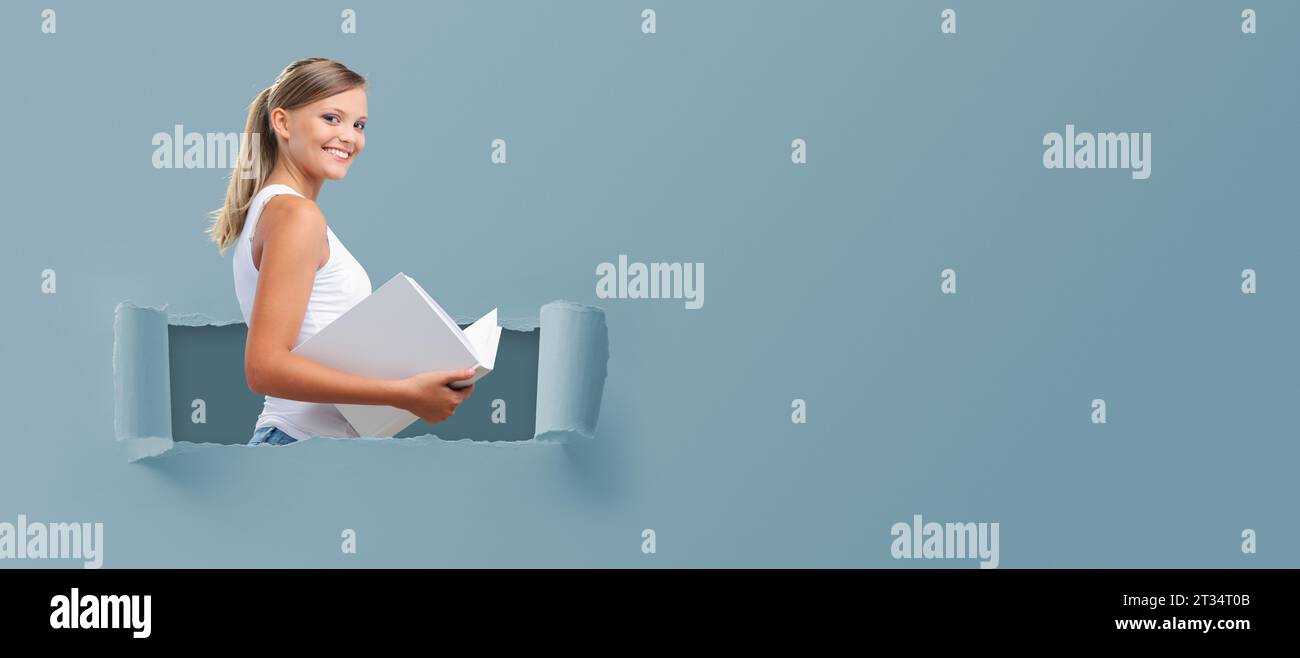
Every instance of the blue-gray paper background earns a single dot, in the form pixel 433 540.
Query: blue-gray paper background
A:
pixel 822 280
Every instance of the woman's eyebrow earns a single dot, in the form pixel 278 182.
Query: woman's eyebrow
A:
pixel 335 109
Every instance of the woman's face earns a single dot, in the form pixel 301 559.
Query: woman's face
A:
pixel 324 137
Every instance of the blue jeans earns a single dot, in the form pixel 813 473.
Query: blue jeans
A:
pixel 271 436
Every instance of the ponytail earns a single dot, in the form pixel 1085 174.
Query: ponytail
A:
pixel 257 153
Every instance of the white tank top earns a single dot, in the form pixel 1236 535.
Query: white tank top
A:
pixel 339 285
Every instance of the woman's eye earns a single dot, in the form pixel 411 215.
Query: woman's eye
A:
pixel 361 126
pixel 330 117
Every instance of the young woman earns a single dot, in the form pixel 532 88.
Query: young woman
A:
pixel 292 274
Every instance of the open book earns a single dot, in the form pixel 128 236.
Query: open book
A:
pixel 396 332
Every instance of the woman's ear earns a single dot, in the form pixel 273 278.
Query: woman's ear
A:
pixel 280 122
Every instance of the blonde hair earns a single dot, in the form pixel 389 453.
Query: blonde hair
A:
pixel 304 81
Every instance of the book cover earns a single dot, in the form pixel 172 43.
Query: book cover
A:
pixel 396 332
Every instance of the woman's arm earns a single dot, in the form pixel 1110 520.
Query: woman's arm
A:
pixel 294 239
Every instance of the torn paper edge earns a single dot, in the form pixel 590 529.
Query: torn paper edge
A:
pixel 573 353
pixel 204 320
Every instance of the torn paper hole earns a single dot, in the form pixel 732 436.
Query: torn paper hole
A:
pixel 179 382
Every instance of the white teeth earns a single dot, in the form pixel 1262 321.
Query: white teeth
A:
pixel 338 153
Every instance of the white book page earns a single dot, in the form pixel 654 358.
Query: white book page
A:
pixel 484 335
pixel 442 314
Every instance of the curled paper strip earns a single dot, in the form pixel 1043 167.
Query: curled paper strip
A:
pixel 141 381
pixel 571 368
pixel 172 370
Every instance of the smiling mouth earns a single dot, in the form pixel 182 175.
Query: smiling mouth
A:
pixel 338 154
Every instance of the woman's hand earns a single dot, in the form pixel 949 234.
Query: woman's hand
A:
pixel 428 395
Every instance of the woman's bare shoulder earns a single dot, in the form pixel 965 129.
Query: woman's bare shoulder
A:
pixel 291 206
pixel 286 213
